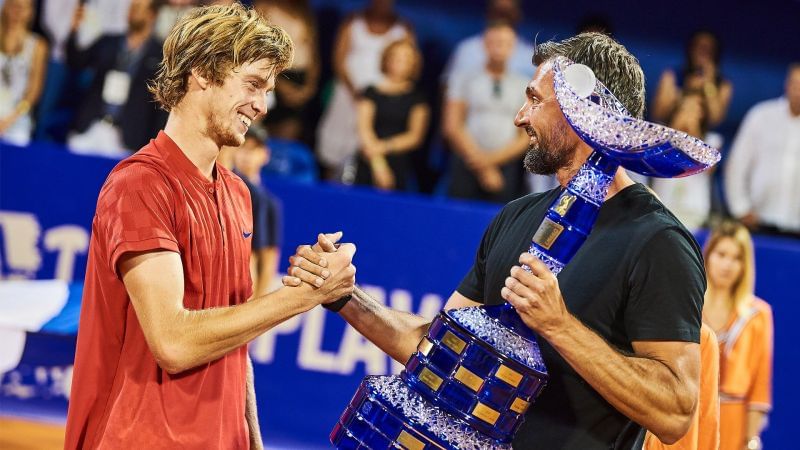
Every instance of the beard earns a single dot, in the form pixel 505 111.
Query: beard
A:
pixel 550 151
pixel 223 135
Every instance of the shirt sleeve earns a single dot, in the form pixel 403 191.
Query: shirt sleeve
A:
pixel 472 285
pixel 136 214
pixel 759 396
pixel 370 93
pixel 666 287
pixel 418 98
pixel 456 62
pixel 456 86
pixel 740 160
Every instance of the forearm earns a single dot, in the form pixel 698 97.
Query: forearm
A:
pixel 36 80
pixel 756 422
pixel 737 177
pixel 396 333
pixel 643 389
pixel 404 142
pixel 251 410
pixel 462 142
pixel 200 336
pixel 511 151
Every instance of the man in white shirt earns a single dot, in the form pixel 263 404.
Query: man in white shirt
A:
pixel 470 54
pixel 763 170
pixel 487 164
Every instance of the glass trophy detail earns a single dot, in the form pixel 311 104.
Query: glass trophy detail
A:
pixel 478 370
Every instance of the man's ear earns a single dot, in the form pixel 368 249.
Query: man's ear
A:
pixel 201 81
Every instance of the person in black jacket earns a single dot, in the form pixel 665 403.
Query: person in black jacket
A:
pixel 117 111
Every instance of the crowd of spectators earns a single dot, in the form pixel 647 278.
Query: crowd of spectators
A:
pixel 76 72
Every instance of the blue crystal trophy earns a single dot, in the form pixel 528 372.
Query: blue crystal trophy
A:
pixel 478 370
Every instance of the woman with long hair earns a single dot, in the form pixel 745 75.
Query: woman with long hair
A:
pixel 743 324
pixel 23 60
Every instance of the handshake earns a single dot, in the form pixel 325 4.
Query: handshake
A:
pixel 324 270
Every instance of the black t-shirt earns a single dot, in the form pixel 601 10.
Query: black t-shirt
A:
pixel 639 276
pixel 392 115
pixel 392 111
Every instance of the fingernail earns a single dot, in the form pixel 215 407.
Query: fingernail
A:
pixel 323 262
pixel 318 282
pixel 325 274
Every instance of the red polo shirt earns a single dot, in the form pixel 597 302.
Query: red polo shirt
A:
pixel 158 200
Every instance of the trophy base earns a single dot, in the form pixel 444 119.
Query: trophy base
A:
pixel 386 414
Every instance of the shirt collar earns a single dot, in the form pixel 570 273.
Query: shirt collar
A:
pixel 176 158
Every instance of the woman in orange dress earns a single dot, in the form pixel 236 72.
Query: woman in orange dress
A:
pixel 703 433
pixel 743 324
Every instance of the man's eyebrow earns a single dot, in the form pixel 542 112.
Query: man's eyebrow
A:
pixel 530 91
pixel 260 81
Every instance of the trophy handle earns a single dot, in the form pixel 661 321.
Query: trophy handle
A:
pixel 571 216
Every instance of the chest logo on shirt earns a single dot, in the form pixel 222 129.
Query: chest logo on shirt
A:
pixel 564 203
pixel 247 234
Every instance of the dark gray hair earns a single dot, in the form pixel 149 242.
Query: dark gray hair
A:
pixel 611 62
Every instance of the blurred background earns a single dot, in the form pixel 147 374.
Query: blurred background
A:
pixel 366 134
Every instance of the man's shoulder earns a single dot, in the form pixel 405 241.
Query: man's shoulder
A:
pixel 471 43
pixel 142 170
pixel 528 204
pixel 766 109
pixel 644 220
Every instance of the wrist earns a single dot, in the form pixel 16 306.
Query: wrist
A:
pixel 337 305
pixel 379 164
pixel 558 333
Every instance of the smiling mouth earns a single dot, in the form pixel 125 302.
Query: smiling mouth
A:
pixel 246 121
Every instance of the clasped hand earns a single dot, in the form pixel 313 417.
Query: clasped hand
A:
pixel 324 269
pixel 536 296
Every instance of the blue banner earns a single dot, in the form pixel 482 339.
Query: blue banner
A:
pixel 412 252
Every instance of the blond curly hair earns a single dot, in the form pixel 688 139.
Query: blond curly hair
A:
pixel 214 40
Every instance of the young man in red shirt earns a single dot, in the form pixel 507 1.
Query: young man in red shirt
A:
pixel 161 360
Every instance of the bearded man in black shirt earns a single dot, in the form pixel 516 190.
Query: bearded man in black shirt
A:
pixel 620 326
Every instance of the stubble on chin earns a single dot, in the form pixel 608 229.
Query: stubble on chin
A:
pixel 222 135
pixel 551 152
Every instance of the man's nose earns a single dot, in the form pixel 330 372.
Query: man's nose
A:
pixel 260 104
pixel 521 119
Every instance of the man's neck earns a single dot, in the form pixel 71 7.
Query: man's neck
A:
pixel 496 70
pixel 202 151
